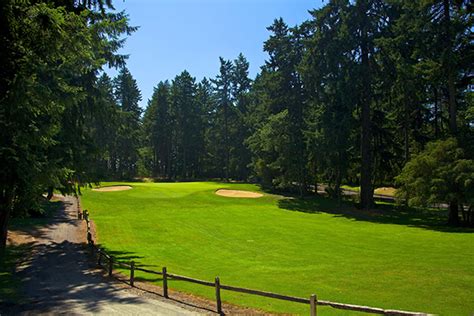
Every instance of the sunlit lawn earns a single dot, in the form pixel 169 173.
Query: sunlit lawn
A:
pixel 390 258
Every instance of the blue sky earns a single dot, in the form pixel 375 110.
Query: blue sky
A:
pixel 175 35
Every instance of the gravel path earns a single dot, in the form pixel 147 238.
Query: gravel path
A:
pixel 59 278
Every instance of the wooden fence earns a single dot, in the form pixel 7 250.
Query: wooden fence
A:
pixel 106 261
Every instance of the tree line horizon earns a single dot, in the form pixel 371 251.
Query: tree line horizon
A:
pixel 303 120
pixel 367 92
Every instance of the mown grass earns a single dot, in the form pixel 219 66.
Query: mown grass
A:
pixel 391 257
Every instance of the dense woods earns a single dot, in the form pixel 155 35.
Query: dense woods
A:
pixel 366 92
pixel 51 108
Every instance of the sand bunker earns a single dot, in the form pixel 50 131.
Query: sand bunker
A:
pixel 386 191
pixel 238 193
pixel 113 188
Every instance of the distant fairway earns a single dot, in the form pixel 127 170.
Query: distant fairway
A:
pixel 288 246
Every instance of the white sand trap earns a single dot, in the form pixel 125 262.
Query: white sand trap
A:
pixel 113 188
pixel 238 193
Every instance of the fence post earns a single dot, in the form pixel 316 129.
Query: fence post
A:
pixel 99 252
pixel 313 301
pixel 165 283
pixel 132 273
pixel 89 238
pixel 218 296
pixel 111 265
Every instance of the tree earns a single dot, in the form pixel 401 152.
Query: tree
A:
pixel 241 85
pixel 127 96
pixel 442 173
pixel 281 89
pixel 327 71
pixel 185 118
pixel 50 56
pixel 104 128
pixel 156 125
pixel 225 114
pixel 208 150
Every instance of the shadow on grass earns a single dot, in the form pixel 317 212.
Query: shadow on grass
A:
pixel 122 256
pixel 126 257
pixel 57 276
pixel 383 213
pixel 10 283
pixel 52 213
pixel 17 254
pixel 61 272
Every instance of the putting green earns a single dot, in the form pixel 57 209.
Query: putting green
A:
pixel 394 259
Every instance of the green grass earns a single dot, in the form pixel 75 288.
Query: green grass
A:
pixel 9 284
pixel 350 187
pixel 390 258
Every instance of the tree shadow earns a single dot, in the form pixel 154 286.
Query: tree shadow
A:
pixel 53 214
pixel 9 282
pixel 431 219
pixel 59 275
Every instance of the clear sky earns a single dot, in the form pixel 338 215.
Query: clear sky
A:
pixel 175 35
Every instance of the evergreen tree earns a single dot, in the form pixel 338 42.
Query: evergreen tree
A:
pixel 51 55
pixel 185 118
pixel 105 125
pixel 283 96
pixel 156 124
pixel 241 85
pixel 328 72
pixel 225 115
pixel 127 96
pixel 208 152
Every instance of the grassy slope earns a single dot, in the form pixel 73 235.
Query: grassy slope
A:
pixel 295 247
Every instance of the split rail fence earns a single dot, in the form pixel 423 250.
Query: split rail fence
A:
pixel 108 262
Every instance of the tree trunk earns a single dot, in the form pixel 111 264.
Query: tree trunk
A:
pixel 4 216
pixel 453 217
pixel 6 202
pixel 436 113
pixel 406 136
pixel 449 69
pixel 337 186
pixel 226 143
pixel 50 193
pixel 366 190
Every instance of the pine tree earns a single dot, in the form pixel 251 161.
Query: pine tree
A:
pixel 241 85
pixel 51 55
pixel 127 96
pixel 185 118
pixel 225 115
pixel 156 124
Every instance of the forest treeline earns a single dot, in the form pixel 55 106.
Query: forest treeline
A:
pixel 367 92
pixel 349 96
pixel 51 54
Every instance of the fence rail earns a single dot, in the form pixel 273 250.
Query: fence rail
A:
pixel 312 301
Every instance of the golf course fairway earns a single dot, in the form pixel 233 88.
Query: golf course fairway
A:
pixel 394 260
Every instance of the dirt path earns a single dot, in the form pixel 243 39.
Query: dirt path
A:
pixel 60 279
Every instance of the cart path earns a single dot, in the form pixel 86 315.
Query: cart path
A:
pixel 60 279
